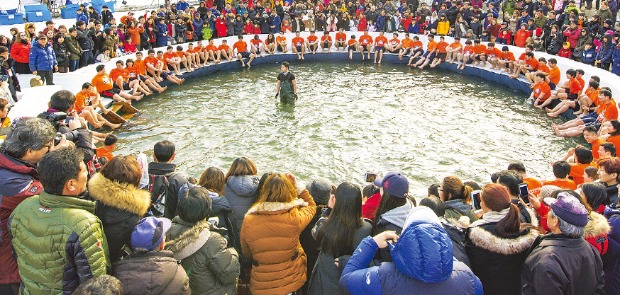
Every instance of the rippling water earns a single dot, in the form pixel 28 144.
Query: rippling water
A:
pixel 350 118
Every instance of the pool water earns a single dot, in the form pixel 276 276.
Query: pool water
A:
pixel 350 118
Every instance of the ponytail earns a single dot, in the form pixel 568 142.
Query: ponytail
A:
pixel 467 190
pixel 510 224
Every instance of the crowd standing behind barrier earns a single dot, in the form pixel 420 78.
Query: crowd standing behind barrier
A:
pixel 223 226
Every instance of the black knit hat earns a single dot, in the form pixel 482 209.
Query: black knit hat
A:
pixel 320 190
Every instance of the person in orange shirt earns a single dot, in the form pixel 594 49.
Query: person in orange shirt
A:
pixel 312 43
pixel 186 59
pixel 506 61
pixel 173 60
pixel 193 55
pixel 166 73
pixel 120 76
pixel 561 170
pixel 453 50
pixel 282 43
pixel 541 90
pixel 109 144
pixel 416 50
pixel 135 74
pixel 532 183
pixel 299 47
pixel 569 94
pixel 134 31
pixel 531 65
pixel 225 51
pixel 406 46
pixel 212 53
pixel 492 55
pixel 393 46
pixel 353 46
pixel 155 68
pixel 554 73
pixel 257 47
pixel 542 68
pixel 379 45
pixel 429 55
pixel 242 52
pixel 105 87
pixel 85 107
pixel 605 112
pixel 478 55
pixel 465 55
pixel 341 39
pixel 365 44
pixel 613 130
pixel 140 65
pixel 590 134
pixel 442 52
pixel 326 42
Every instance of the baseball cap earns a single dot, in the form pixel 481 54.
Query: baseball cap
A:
pixel 149 233
pixel 395 184
pixel 569 209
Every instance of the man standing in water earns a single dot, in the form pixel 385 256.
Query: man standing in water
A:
pixel 286 87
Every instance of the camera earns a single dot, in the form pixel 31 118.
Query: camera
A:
pixel 524 193
pixel 370 176
pixel 59 119
pixel 475 198
pixel 71 136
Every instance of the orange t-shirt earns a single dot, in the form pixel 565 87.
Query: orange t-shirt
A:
pixel 102 82
pixel 163 62
pixel 554 75
pixel 106 152
pixel 532 62
pixel 493 52
pixel 522 56
pixel 381 40
pixel 211 47
pixel 542 87
pixel 341 37
pixel 298 41
pixel 595 146
pixel 456 46
pixel 181 54
pixel 170 55
pixel 326 38
pixel 132 71
pixel 468 49
pixel 140 66
pixel 256 42
pixel 615 140
pixel 241 46
pixel 417 44
pixel 592 94
pixel 280 39
pixel 480 49
pixel 115 73
pixel 441 46
pixel 608 110
pixel 365 40
pixel 153 61
pixel 407 43
pixel 581 81
pixel 576 172
pixel 532 183
pixel 431 46
pixel 80 100
pixel 312 38
pixel 543 67
pixel 394 41
pixel 574 86
pixel 224 47
pixel 351 42
pixel 508 56
pixel 565 184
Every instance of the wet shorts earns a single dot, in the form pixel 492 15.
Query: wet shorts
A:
pixel 110 93
pixel 414 52
pixel 441 55
pixel 379 48
pixel 352 48
pixel 589 118
pixel 572 96
pixel 244 54
pixel 365 47
pixel 298 48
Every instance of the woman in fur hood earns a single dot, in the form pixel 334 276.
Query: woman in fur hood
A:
pixel 120 203
pixel 270 236
pixel 498 244
pixel 212 267
pixel 594 198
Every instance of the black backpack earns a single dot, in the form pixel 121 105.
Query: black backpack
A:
pixel 159 187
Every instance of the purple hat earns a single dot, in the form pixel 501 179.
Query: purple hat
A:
pixel 395 184
pixel 149 233
pixel 569 209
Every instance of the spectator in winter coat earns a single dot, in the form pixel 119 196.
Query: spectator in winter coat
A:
pixel 571 34
pixel 42 60
pixel 270 236
pixel 164 153
pixel 120 204
pixel 200 246
pixel 66 232
pixel 616 60
pixel 612 258
pixel 241 190
pixel 198 24
pixel 422 236
pixel 498 244
pixel 150 269
pixel 456 198
pixel 161 33
pixel 588 55
pixel 562 262
pixel 62 53
pixel 594 198
pixel 20 51
pixel 604 55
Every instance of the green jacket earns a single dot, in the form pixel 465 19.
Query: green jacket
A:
pixel 59 243
pixel 74 48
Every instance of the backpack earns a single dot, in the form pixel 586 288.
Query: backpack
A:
pixel 159 187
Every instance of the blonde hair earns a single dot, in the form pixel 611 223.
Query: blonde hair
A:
pixel 453 188
pixel 277 188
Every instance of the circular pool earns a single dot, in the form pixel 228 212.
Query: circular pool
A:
pixel 350 118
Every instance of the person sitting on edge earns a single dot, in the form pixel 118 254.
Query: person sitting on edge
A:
pixel 137 70
pixel 58 225
pixel 341 39
pixel 465 55
pixel 186 59
pixel 393 45
pixel 365 44
pixel 172 60
pixel 155 68
pixel 105 87
pixel 225 51
pixel 583 102
pixel 429 55
pixel 379 45
pixel 86 100
pixel 406 46
pixel 442 47
pixel 212 53
pixel 109 144
pixel 281 42
pixel 492 55
pixel 120 76
pixel 422 236
pixel 326 42
pixel 312 43
pixel 506 60
pixel 241 47
pixel 150 269
pixel 353 46
pixel 453 50
pixel 257 47
pixel 570 90
pixel 299 45
pixel 561 170
pixel 541 90
pixel 479 53
pixel 605 112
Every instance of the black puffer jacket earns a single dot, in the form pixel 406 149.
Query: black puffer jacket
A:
pixel 119 206
pixel 241 193
pixel 151 273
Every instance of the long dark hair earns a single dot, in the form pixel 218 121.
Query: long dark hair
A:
pixel 336 236
pixel 388 202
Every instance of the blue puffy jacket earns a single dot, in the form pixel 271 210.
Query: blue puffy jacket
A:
pixel 423 264
pixel 604 54
pixel 615 68
pixel 42 58
pixel 162 35
pixel 611 259
pixel 588 56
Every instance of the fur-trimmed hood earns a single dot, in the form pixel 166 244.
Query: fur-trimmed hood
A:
pixel 276 207
pixel 597 226
pixel 190 241
pixel 123 196
pixel 486 240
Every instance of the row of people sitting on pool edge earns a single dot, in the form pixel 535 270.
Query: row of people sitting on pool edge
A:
pixel 278 230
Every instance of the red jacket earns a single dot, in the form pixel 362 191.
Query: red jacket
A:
pixel 220 26
pixel 20 52
pixel 369 209
pixel 521 37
